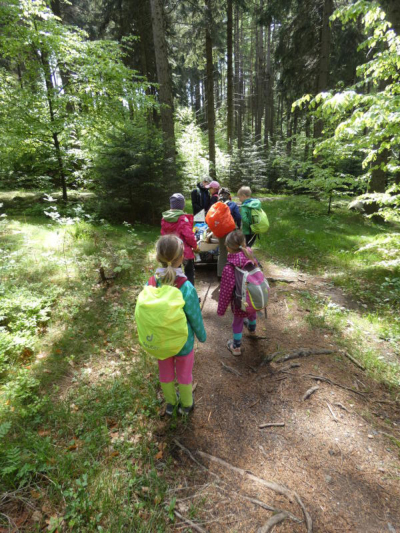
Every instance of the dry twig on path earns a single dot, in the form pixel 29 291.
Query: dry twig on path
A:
pixel 327 380
pixel 230 369
pixel 354 361
pixel 332 413
pixel 271 424
pixel 205 297
pixel 309 392
pixel 272 522
pixel 280 489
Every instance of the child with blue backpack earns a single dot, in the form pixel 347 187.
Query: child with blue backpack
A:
pixel 168 316
pixel 244 286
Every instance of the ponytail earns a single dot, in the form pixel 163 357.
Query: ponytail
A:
pixel 169 249
pixel 236 241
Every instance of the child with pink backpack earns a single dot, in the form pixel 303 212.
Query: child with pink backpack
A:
pixel 244 286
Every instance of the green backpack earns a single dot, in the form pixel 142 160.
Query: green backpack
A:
pixel 160 319
pixel 259 221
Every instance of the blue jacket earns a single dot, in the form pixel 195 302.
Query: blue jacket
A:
pixel 200 199
pixel 235 213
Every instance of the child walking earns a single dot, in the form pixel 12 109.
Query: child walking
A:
pixel 238 256
pixel 170 254
pixel 176 221
pixel 248 203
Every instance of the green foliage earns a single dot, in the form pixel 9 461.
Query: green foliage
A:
pixel 133 173
pixel 364 119
pixel 58 92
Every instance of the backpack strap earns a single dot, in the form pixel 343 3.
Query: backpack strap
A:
pixel 179 281
pixel 152 281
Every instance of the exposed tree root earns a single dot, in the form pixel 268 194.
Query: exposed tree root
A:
pixel 231 370
pixel 273 521
pixel 322 378
pixel 303 352
pixel 309 392
pixel 280 489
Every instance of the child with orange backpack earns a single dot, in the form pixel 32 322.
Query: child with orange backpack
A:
pixel 168 316
pixel 244 286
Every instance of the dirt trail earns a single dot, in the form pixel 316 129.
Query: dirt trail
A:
pixel 332 450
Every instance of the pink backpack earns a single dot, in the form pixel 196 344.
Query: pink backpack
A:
pixel 251 288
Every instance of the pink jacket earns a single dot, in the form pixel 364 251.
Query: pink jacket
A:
pixel 183 228
pixel 227 288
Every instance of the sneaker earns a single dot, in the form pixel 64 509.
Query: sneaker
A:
pixel 184 411
pixel 232 349
pixel 169 410
pixel 251 332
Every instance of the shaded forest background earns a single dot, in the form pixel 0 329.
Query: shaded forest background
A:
pixel 133 98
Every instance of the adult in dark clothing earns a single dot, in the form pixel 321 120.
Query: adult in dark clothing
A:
pixel 225 196
pixel 213 187
pixel 201 196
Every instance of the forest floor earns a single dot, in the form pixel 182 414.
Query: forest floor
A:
pixel 338 450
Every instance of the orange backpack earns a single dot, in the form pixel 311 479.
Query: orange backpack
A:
pixel 220 220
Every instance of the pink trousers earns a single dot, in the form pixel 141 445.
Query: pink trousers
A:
pixel 182 365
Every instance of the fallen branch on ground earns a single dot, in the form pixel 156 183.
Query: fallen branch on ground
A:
pixel 190 523
pixel 272 522
pixel 280 489
pixel 288 367
pixel 341 406
pixel 322 378
pixel 332 413
pixel 309 392
pixel 303 352
pixel 353 360
pixel 281 280
pixel 271 424
pixel 252 500
pixel 230 369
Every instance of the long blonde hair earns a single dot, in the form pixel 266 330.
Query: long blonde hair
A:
pixel 236 242
pixel 169 249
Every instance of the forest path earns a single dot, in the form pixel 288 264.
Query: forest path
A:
pixel 333 450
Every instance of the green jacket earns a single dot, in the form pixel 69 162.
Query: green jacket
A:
pixel 245 211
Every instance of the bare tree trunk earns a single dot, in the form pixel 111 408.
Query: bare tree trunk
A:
pixel 308 135
pixel 259 80
pixel 210 89
pixel 323 70
pixel 242 89
pixel 392 10
pixel 164 80
pixel 378 180
pixel 268 129
pixel 288 130
pixel 229 76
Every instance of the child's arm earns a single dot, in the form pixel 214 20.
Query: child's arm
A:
pixel 193 312
pixel 246 217
pixel 226 289
pixel 187 235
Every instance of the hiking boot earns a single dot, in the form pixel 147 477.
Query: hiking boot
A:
pixel 234 351
pixel 251 332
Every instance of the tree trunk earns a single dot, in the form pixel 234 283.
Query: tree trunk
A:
pixel 392 10
pixel 229 77
pixel 308 135
pixel 210 90
pixel 289 130
pixel 323 69
pixel 378 180
pixel 164 80
pixel 269 102
pixel 259 100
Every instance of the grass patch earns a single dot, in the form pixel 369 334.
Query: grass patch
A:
pixel 78 399
pixel 359 255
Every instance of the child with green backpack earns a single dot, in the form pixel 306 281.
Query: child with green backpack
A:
pixel 254 218
pixel 168 316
